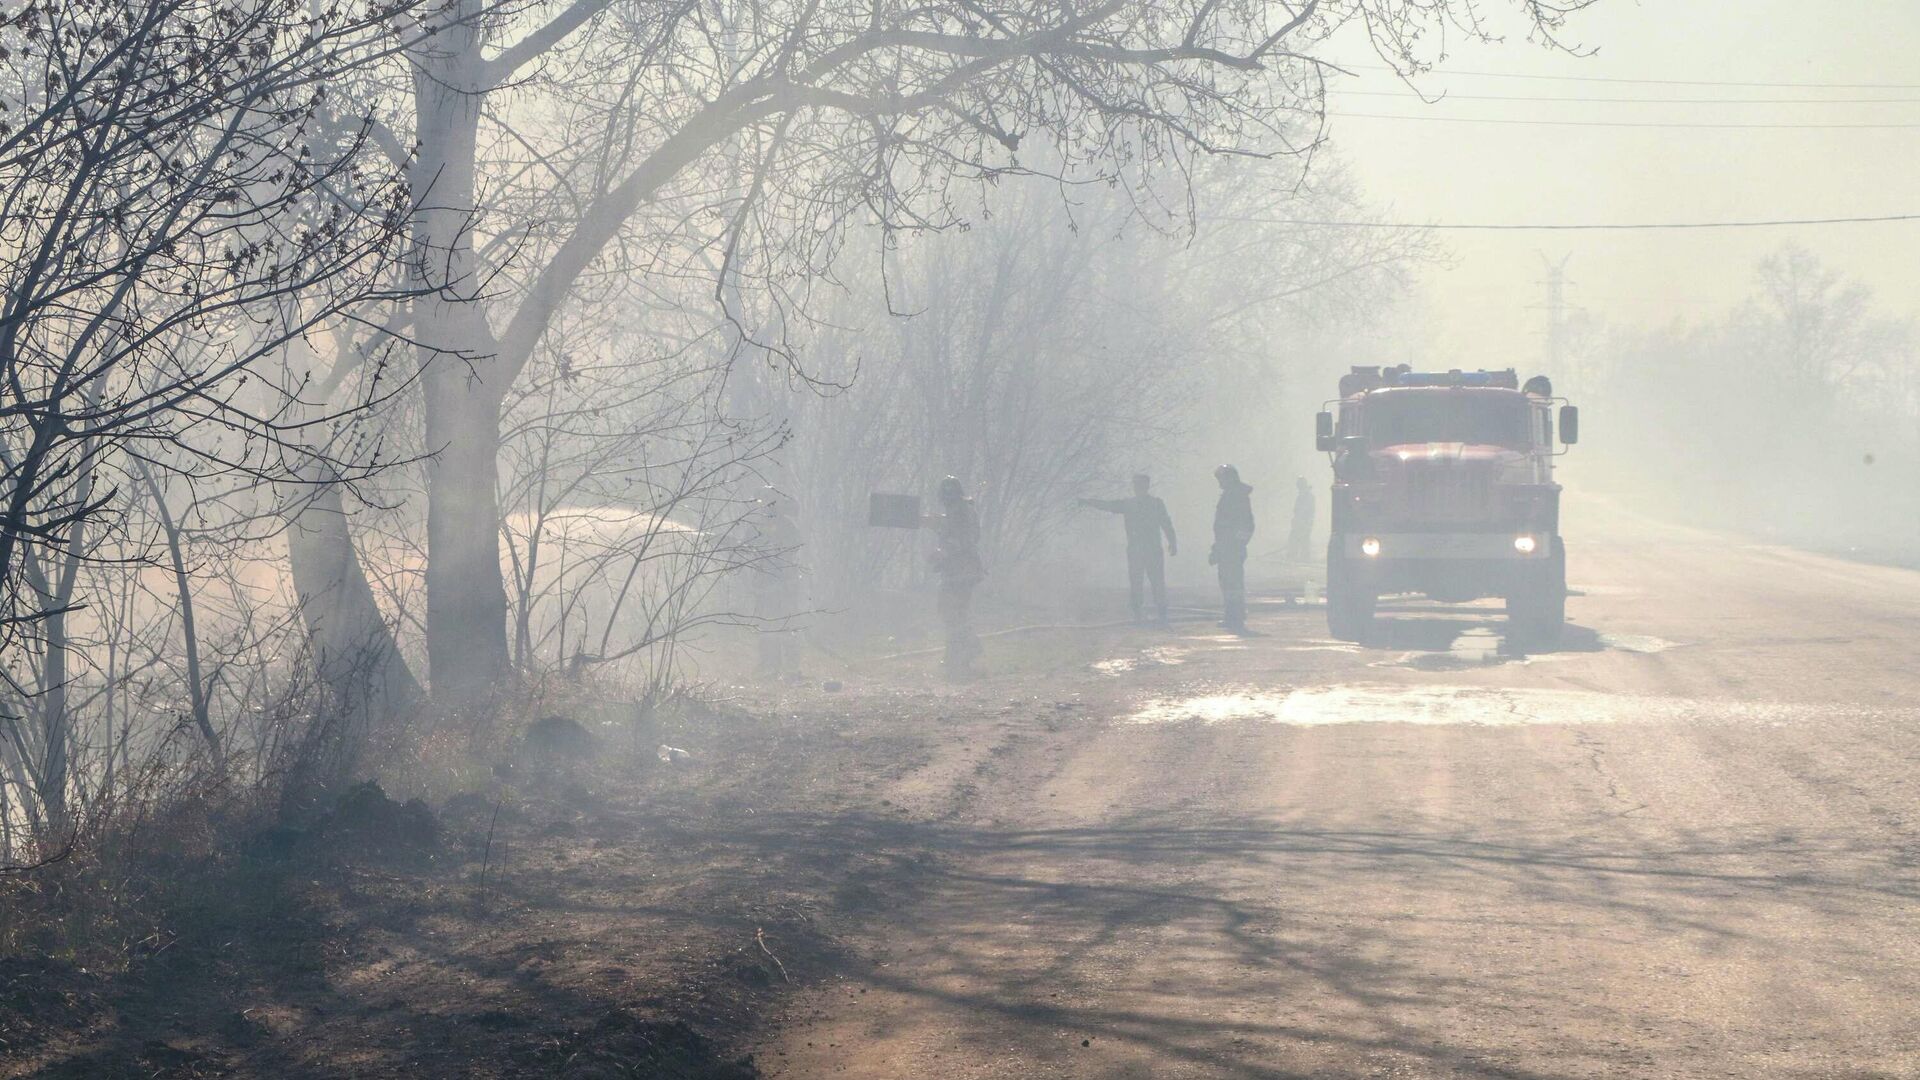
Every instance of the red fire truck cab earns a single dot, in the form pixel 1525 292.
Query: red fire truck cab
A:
pixel 1443 485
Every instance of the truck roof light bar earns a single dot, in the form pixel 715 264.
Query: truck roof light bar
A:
pixel 1508 379
pixel 1362 379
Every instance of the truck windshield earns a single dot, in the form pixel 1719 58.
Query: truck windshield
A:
pixel 1446 416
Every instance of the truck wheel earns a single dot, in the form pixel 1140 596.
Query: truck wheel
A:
pixel 1349 605
pixel 1538 612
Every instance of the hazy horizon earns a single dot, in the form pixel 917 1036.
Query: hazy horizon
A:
pixel 1484 305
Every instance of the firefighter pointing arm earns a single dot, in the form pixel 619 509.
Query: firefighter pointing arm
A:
pixel 1146 521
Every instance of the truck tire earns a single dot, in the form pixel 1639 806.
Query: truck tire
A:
pixel 1349 604
pixel 1538 612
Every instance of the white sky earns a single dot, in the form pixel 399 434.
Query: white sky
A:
pixel 1434 171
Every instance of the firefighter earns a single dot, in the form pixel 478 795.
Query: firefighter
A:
pixel 1232 531
pixel 956 559
pixel 1146 519
pixel 1300 534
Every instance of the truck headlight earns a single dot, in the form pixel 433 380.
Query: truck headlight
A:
pixel 1370 547
pixel 1523 544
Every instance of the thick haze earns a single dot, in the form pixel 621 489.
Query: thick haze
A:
pixel 604 537
pixel 1439 169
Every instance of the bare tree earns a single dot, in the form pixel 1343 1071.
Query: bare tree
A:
pixel 175 215
pixel 546 135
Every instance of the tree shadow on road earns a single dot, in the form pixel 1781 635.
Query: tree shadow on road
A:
pixel 1218 946
pixel 1261 949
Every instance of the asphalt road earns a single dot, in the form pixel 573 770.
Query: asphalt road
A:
pixel 1688 844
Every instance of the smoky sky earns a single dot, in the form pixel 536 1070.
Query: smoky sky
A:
pixel 1830 70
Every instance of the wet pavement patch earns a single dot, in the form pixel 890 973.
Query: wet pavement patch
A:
pixel 1477 647
pixel 1324 646
pixel 1480 706
pixel 1159 656
pixel 1636 643
pixel 1390 705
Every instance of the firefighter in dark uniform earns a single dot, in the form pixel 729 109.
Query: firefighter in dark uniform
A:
pixel 1232 531
pixel 956 560
pixel 1146 520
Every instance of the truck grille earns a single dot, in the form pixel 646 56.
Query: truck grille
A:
pixel 1445 493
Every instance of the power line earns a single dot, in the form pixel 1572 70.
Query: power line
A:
pixel 1625 122
pixel 1574 227
pixel 1451 96
pixel 1644 82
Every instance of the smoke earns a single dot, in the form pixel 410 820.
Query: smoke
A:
pixel 1794 416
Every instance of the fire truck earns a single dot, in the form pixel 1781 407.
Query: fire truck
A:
pixel 1443 486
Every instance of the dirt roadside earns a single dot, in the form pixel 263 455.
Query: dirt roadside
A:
pixel 615 915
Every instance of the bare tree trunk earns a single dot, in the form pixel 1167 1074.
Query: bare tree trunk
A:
pixel 56 734
pixel 366 678
pixel 466 599
pixel 197 686
pixel 54 720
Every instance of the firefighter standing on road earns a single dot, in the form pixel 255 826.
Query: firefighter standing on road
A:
pixel 1232 530
pixel 956 558
pixel 1146 519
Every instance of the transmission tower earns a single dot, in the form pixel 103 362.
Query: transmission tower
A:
pixel 1556 308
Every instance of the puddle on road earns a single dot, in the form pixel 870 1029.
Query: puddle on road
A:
pixel 1637 643
pixel 1325 646
pixel 1216 639
pixel 1395 705
pixel 1473 648
pixel 1487 707
pixel 1480 646
pixel 1159 656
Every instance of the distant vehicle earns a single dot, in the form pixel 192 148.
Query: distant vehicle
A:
pixel 1443 485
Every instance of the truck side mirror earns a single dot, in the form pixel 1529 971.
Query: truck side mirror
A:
pixel 1323 431
pixel 1569 424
